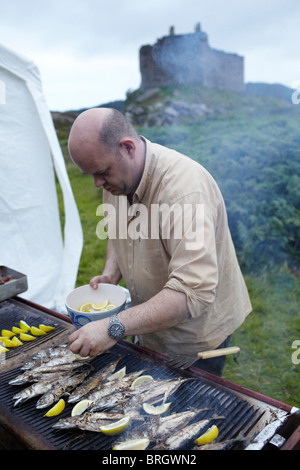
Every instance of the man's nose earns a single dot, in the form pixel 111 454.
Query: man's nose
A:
pixel 98 181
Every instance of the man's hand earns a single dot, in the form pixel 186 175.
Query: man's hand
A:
pixel 101 279
pixel 92 339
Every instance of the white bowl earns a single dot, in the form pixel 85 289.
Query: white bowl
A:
pixel 116 295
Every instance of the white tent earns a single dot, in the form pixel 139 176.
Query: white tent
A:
pixel 31 239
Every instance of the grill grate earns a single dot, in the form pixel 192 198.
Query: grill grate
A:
pixel 236 416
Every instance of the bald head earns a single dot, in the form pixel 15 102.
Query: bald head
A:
pixel 103 143
pixel 99 127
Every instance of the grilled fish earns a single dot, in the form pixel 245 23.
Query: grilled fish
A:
pixel 45 355
pixel 65 385
pixel 52 351
pixel 123 395
pixel 115 386
pixel 160 389
pixel 163 425
pixel 36 389
pixel 93 382
pixel 179 439
pixel 38 373
pixel 92 421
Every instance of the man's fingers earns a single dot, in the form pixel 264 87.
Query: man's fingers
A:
pixel 73 336
pixel 95 281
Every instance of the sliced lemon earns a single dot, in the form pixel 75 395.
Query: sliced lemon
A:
pixel 100 306
pixel 17 330
pixel 46 328
pixel 117 427
pixel 110 307
pixel 16 341
pixel 7 333
pixel 85 307
pixel 24 326
pixel 80 407
pixel 36 331
pixel 141 380
pixel 210 435
pixel 133 444
pixel 3 349
pixel 8 343
pixel 26 337
pixel 56 409
pixel 156 410
pixel 120 373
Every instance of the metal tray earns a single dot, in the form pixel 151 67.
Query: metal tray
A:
pixel 15 286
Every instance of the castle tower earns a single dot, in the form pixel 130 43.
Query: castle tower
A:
pixel 188 59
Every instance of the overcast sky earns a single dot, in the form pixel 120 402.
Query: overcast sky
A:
pixel 87 51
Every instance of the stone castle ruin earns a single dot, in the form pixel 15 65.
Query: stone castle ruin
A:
pixel 188 59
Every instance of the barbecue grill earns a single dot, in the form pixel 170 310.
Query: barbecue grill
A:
pixel 245 418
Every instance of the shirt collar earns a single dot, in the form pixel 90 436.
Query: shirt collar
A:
pixel 150 163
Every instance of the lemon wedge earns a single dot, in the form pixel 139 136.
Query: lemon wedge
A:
pixel 8 343
pixel 117 427
pixel 46 328
pixel 7 333
pixel 133 444
pixel 156 410
pixel 36 331
pixel 80 407
pixel 110 307
pixel 117 375
pixel 24 326
pixel 141 380
pixel 56 409
pixel 16 341
pixel 210 435
pixel 26 337
pixel 100 306
pixel 17 330
pixel 3 349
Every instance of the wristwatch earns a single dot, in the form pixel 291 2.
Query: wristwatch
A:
pixel 116 329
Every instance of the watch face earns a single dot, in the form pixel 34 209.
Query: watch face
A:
pixel 116 330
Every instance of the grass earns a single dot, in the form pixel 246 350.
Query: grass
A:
pixel 265 338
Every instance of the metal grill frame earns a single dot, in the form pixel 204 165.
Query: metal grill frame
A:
pixel 33 431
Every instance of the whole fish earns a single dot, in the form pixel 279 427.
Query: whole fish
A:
pixel 113 400
pixel 45 355
pixel 164 425
pixel 180 438
pixel 92 421
pixel 65 385
pixel 36 389
pixel 92 383
pixel 159 389
pixel 38 373
pixel 229 444
pixel 52 351
pixel 123 395
pixel 114 386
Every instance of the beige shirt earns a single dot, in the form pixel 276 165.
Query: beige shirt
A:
pixel 156 251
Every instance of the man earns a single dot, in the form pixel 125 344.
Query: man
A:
pixel 187 290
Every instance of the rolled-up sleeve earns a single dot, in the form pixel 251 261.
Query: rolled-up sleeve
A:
pixel 193 266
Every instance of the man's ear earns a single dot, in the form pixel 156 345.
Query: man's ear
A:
pixel 128 145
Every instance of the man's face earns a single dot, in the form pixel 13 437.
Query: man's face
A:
pixel 112 171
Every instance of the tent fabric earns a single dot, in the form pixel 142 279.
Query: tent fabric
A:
pixel 31 237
